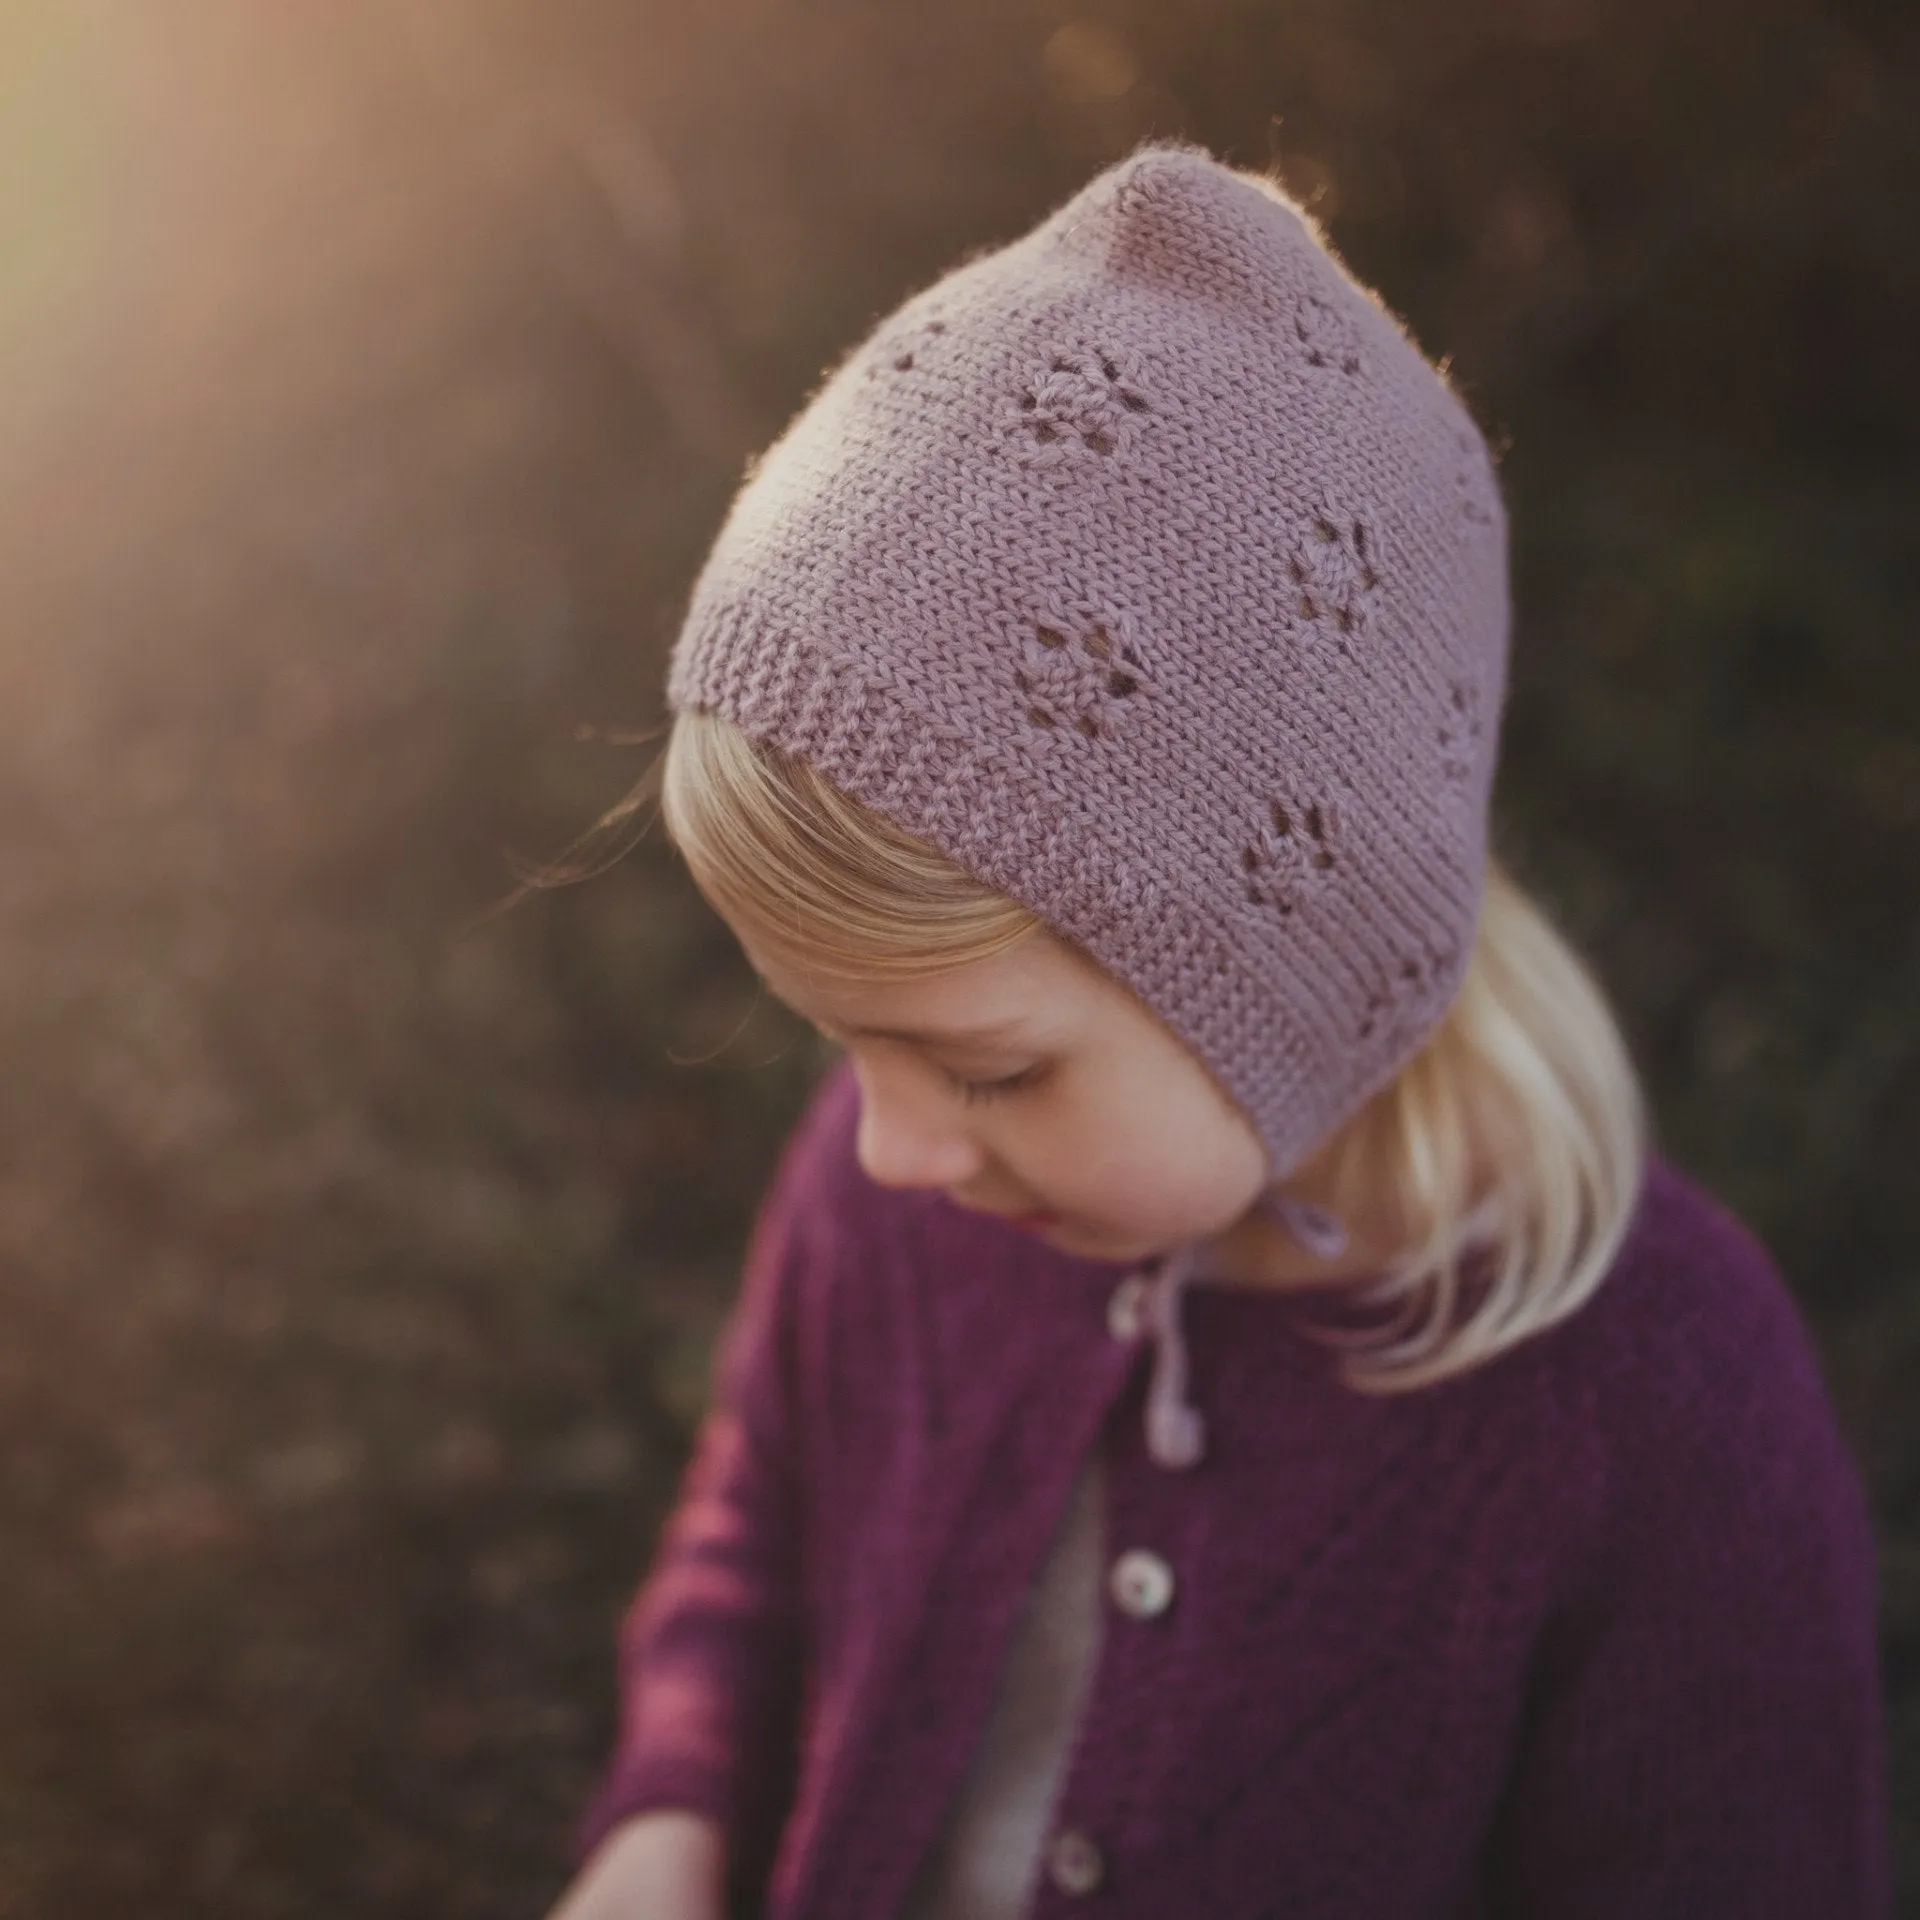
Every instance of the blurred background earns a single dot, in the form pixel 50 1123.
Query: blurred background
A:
pixel 372 377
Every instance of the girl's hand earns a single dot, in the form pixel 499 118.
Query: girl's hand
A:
pixel 665 1865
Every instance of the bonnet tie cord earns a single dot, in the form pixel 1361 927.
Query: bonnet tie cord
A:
pixel 1176 1432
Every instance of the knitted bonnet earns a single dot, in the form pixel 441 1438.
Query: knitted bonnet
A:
pixel 1145 567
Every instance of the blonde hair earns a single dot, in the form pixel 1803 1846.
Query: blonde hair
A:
pixel 1517 1134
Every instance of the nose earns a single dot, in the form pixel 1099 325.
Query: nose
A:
pixel 907 1138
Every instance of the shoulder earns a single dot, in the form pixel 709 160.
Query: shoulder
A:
pixel 1696 1387
pixel 1694 1324
pixel 1703 1686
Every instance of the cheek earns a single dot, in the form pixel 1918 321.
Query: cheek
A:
pixel 1180 1181
pixel 1152 1153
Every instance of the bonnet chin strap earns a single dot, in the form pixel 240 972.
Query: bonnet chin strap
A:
pixel 1313 1226
pixel 1176 1432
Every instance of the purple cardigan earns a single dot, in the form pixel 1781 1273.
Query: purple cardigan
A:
pixel 1589 1631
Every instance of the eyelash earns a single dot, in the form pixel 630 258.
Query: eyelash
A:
pixel 974 1090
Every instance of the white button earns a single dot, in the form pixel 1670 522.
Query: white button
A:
pixel 1127 1309
pixel 1141 1584
pixel 1073 1862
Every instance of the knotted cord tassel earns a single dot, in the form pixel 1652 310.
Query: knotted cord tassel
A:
pixel 1176 1434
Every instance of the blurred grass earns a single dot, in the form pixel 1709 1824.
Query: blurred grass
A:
pixel 371 379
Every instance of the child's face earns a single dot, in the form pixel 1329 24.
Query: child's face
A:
pixel 1077 1113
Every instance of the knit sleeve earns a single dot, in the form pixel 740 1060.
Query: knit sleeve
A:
pixel 1703 1737
pixel 710 1646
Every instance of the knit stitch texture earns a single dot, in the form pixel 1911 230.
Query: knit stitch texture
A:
pixel 1585 1634
pixel 1146 567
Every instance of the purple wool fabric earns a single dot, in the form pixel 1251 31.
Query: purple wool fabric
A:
pixel 1585 1634
pixel 1148 569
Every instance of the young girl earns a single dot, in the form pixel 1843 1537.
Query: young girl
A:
pixel 1225 1415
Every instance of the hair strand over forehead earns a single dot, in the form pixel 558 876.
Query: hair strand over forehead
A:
pixel 825 879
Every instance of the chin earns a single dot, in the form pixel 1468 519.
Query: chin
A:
pixel 1097 1243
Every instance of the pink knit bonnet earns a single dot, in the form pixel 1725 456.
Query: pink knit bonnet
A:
pixel 1148 569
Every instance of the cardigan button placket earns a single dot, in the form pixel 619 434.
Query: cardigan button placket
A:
pixel 1127 1308
pixel 1141 1584
pixel 1074 1864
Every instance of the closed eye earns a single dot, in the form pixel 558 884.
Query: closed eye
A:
pixel 973 1090
pixel 969 1090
